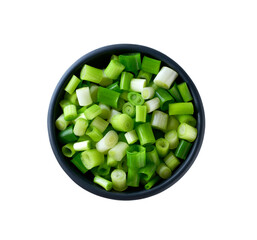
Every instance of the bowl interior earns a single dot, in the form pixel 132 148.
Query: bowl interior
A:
pixel 100 58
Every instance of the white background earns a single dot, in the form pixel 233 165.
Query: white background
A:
pixel 214 41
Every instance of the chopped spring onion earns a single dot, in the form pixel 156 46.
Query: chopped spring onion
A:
pixel 187 132
pixel 105 80
pixel 145 134
pixel 72 85
pixel 162 147
pixel 94 133
pixel 60 123
pixel 80 127
pixel 136 156
pixel 141 112
pixel 183 149
pixel 124 95
pixel 63 103
pixel 129 109
pixel 165 77
pixel 151 65
pixel 145 75
pixel 159 120
pixel 115 87
pixel 82 110
pixel 93 92
pixel 108 97
pixel 107 142
pixel 82 146
pixel 106 111
pixel 100 124
pixel 147 92
pixel 175 93
pixel 181 108
pixel 91 74
pixel 111 162
pixel 118 177
pixel 70 112
pixel 148 171
pixel 72 98
pixel 67 135
pixel 122 122
pixel 131 137
pixel 84 97
pixel 135 98
pixel 152 182
pixel 163 171
pixel 114 69
pixel 172 138
pixel 137 84
pixel 171 161
pixel 118 151
pixel 92 112
pixel 152 104
pixel 173 123
pixel 106 184
pixel 184 92
pixel 131 61
pixel 68 150
pixel 92 158
pixel 152 155
pixel 76 160
pixel 125 80
pixel 112 114
pixel 133 177
pixel 165 98
pixel 189 119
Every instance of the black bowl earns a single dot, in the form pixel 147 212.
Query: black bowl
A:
pixel 100 58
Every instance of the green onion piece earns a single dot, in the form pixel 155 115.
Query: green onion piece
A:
pixel 106 111
pixel 115 87
pixel 162 147
pixel 124 95
pixel 148 171
pixel 165 98
pixel 133 178
pixel 80 116
pixel 92 158
pixel 129 109
pixel 107 185
pixel 136 156
pixel 163 171
pixel 165 77
pixel 153 85
pixel 93 92
pixel 63 103
pixel 152 104
pixel 184 92
pixel 76 160
pixel 151 65
pixel 82 146
pixel 173 123
pixel 159 120
pixel 118 151
pixel 121 102
pixel 183 149
pixel 67 135
pixel 68 150
pixel 123 164
pixel 114 69
pixel 91 74
pixel 72 85
pixel 145 134
pixel 141 112
pixel 181 108
pixel 175 93
pixel 137 84
pixel 94 134
pixel 112 114
pixel 189 119
pixel 60 123
pixel 171 161
pixel 135 98
pixel 92 112
pixel 118 177
pixel 70 112
pixel 109 140
pixel 84 97
pixel 105 80
pixel 145 75
pixel 187 132
pixel 80 127
pixel 111 162
pixel 147 93
pixel 100 124
pixel 152 182
pixel 103 170
pixel 84 138
pixel 72 98
pixel 125 80
pixel 172 138
pixel 108 97
pixel 122 122
pixel 82 110
pixel 132 62
pixel 131 137
pixel 152 155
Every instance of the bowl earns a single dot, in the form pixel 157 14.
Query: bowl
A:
pixel 100 58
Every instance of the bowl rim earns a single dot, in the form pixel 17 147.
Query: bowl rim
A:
pixel 185 165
